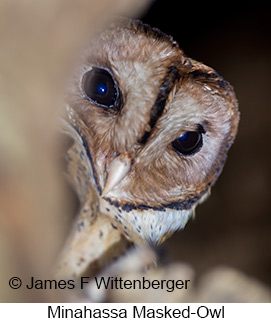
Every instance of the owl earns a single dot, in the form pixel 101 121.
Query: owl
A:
pixel 150 130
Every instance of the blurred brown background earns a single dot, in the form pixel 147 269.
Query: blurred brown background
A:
pixel 234 226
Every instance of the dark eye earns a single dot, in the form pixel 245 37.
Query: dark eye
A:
pixel 100 87
pixel 188 143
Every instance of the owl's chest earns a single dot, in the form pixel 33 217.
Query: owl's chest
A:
pixel 139 224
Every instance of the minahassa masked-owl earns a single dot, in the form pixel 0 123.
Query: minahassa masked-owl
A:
pixel 151 129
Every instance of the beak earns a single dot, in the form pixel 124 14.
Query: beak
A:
pixel 118 169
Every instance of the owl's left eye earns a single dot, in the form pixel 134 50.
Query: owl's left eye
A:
pixel 188 143
pixel 100 87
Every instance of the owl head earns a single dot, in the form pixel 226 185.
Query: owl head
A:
pixel 156 126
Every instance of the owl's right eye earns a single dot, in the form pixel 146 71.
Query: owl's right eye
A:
pixel 189 143
pixel 100 87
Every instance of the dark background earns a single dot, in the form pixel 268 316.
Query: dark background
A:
pixel 233 227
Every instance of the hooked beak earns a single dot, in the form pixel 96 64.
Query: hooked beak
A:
pixel 118 169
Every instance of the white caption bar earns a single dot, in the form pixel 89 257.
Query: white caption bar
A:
pixel 191 312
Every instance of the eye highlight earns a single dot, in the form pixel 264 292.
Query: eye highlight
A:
pixel 189 143
pixel 100 87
